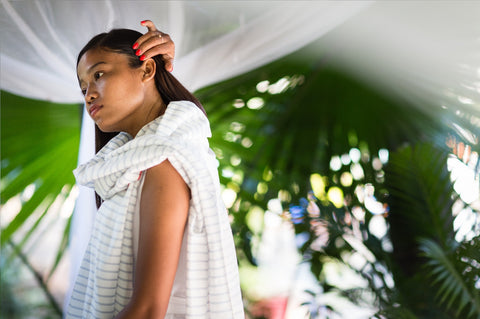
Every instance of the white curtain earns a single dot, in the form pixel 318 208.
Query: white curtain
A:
pixel 424 51
pixel 215 40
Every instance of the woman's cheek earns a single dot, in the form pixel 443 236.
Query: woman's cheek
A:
pixel 101 86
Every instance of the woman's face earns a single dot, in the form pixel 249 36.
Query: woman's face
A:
pixel 114 91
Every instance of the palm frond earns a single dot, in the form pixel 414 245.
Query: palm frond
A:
pixel 421 197
pixel 453 290
pixel 39 151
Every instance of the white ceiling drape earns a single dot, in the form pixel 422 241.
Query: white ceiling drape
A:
pixel 428 52
pixel 215 40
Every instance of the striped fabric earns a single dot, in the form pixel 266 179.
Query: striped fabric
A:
pixel 105 280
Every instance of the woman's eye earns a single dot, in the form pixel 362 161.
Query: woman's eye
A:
pixel 97 75
pixel 84 91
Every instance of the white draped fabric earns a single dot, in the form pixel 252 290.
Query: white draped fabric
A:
pixel 206 284
pixel 428 52
pixel 214 40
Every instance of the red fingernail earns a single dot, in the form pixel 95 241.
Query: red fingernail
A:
pixel 142 57
pixel 143 21
pixel 137 52
pixel 135 46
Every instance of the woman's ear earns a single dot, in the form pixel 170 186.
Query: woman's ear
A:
pixel 149 69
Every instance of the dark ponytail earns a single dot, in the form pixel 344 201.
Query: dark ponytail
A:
pixel 121 41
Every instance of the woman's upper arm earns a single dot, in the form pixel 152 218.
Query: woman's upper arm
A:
pixel 163 215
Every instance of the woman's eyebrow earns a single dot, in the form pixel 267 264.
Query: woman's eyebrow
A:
pixel 90 70
pixel 93 66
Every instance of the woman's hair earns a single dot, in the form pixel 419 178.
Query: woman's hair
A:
pixel 121 41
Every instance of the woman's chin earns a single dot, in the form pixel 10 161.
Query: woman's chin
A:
pixel 106 128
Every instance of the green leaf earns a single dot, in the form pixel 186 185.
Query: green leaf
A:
pixel 452 284
pixel 39 147
pixel 61 248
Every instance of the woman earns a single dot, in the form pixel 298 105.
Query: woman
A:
pixel 162 245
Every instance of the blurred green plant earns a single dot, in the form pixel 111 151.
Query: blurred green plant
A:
pixel 279 126
pixel 415 270
pixel 275 126
pixel 454 273
pixel 39 151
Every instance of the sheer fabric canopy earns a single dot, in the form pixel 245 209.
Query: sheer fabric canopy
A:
pixel 428 54
pixel 214 40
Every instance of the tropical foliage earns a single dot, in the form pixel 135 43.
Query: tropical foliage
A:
pixel 305 118
pixel 417 269
pixel 39 151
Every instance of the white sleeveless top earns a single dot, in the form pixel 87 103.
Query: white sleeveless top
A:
pixel 207 283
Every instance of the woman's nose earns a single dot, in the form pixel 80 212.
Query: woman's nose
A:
pixel 91 94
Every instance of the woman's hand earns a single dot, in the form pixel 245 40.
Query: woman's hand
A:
pixel 154 43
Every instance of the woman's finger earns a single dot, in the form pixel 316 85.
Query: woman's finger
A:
pixel 149 24
pixel 162 40
pixel 157 39
pixel 151 29
pixel 158 45
pixel 156 50
pixel 155 43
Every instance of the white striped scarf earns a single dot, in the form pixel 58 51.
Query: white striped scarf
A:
pixel 105 281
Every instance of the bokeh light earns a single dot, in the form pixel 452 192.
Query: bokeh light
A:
pixel 335 195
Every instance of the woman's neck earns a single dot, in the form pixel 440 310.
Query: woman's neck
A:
pixel 151 109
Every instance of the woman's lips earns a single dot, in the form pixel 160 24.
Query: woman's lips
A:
pixel 94 109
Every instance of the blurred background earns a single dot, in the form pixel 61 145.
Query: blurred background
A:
pixel 346 135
